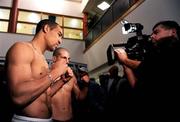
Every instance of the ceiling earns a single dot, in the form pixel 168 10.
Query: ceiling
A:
pixel 91 7
pixel 93 12
pixel 75 0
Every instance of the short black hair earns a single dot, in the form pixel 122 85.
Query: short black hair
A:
pixel 44 22
pixel 83 73
pixel 168 24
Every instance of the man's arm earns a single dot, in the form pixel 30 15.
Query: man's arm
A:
pixel 80 94
pixel 130 75
pixel 123 58
pixel 57 85
pixel 59 82
pixel 128 65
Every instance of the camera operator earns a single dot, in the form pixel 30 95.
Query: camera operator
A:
pixel 155 79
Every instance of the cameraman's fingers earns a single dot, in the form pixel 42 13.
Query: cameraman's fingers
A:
pixel 120 50
pixel 121 54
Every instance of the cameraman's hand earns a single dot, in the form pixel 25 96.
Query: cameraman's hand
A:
pixel 121 54
pixel 123 58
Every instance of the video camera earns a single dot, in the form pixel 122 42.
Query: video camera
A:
pixel 136 46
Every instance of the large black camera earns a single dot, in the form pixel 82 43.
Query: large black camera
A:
pixel 136 46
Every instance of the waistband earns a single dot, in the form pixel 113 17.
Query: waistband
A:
pixel 18 118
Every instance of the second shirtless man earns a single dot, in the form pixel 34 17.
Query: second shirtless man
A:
pixel 61 101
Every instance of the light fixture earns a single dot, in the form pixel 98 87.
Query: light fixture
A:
pixel 33 17
pixel 103 6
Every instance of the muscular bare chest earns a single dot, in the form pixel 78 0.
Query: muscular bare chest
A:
pixel 39 67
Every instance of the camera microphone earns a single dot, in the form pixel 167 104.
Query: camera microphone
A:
pixel 119 45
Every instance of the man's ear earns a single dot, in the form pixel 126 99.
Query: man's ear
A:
pixel 45 28
pixel 54 59
pixel 174 32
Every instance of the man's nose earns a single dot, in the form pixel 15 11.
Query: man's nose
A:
pixel 152 36
pixel 67 61
pixel 60 41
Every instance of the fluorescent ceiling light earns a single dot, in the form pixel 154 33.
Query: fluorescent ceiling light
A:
pixel 103 6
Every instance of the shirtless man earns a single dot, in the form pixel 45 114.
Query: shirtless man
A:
pixel 61 101
pixel 29 77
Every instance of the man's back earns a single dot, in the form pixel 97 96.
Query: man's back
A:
pixel 158 87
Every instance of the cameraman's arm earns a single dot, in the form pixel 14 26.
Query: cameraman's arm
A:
pixel 123 58
pixel 80 93
pixel 133 64
pixel 130 75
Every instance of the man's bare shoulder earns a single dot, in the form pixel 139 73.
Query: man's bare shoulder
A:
pixel 20 50
pixel 19 45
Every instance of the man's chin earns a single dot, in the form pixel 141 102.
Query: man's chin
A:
pixel 52 49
